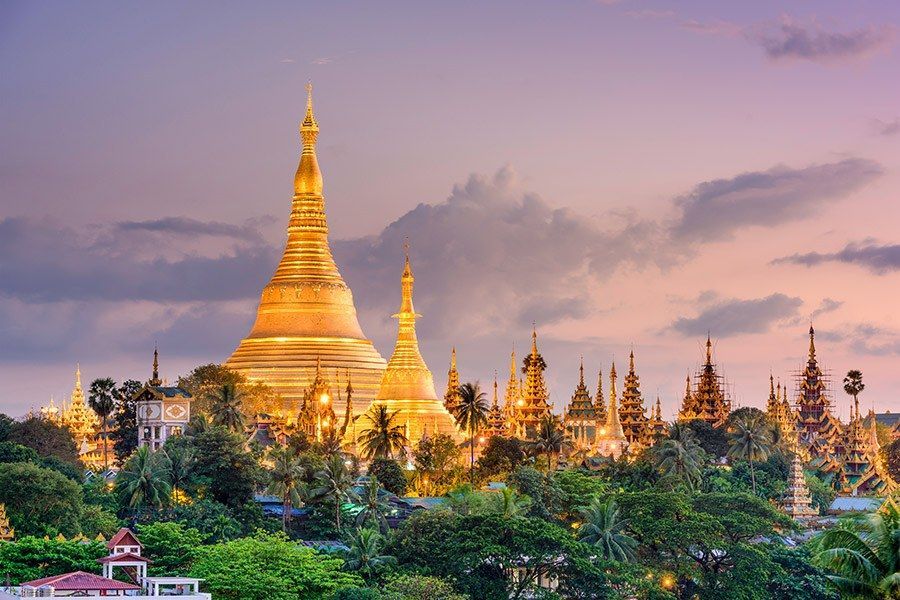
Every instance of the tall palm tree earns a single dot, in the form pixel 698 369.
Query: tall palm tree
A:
pixel 471 412
pixel 142 481
pixel 750 439
pixel 226 403
pixel 382 433
pixel 177 460
pixel 365 553
pixel 102 397
pixel 511 504
pixel 605 530
pixel 853 384
pixel 551 439
pixel 198 424
pixel 680 458
pixel 286 481
pixel 864 555
pixel 334 482
pixel 375 507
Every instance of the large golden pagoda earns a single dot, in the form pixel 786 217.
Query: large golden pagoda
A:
pixel 407 385
pixel 306 312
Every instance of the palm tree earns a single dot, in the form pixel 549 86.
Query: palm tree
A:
pixel 551 439
pixel 198 424
pixel 750 439
pixel 375 506
pixel 102 397
pixel 286 481
pixel 864 555
pixel 177 460
pixel 511 504
pixel 471 412
pixel 335 483
pixel 384 434
pixel 226 405
pixel 853 384
pixel 365 553
pixel 142 482
pixel 603 529
pixel 681 458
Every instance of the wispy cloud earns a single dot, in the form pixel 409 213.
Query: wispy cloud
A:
pixel 734 316
pixel 791 39
pixel 877 258
pixel 715 210
pixel 886 128
pixel 826 306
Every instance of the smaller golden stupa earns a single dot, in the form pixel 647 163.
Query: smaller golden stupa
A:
pixel 7 532
pixel 407 385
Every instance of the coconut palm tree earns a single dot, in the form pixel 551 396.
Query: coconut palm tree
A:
pixel 177 460
pixel 511 504
pixel 471 412
pixel 864 555
pixel 198 424
pixel 681 458
pixel 142 481
pixel 382 433
pixel 334 482
pixel 853 384
pixel 551 440
pixel 226 403
pixel 375 506
pixel 102 397
pixel 605 530
pixel 365 553
pixel 750 439
pixel 286 480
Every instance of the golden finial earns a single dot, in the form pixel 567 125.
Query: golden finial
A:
pixel 308 180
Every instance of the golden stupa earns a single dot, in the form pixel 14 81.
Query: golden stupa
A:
pixel 306 311
pixel 407 385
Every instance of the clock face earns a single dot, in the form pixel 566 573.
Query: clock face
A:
pixel 176 412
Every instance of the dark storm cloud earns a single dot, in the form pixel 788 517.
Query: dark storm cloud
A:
pixel 733 317
pixel 715 210
pixel 879 259
pixel 491 256
pixel 192 227
pixel 44 262
pixel 792 40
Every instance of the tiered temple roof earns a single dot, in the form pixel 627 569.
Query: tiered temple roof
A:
pixel 657 426
pixel 599 402
pixel 496 421
pixel 535 398
pixel 707 400
pixel 631 409
pixel 317 417
pixel 81 420
pixel 611 440
pixel 451 396
pixel 512 399
pixel 796 500
pixel 581 418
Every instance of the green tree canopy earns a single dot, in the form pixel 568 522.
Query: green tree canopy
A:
pixel 171 546
pixel 390 474
pixel 45 438
pixel 40 501
pixel 31 558
pixel 269 567
pixel 224 467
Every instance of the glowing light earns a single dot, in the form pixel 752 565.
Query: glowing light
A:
pixel 324 398
pixel 667 581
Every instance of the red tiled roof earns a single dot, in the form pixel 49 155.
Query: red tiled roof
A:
pixel 81 581
pixel 126 556
pixel 123 537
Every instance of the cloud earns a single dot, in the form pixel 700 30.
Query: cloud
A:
pixel 828 305
pixel 716 27
pixel 734 316
pixel 886 128
pixel 648 13
pixel 493 256
pixel 790 39
pixel 864 338
pixel 715 210
pixel 46 262
pixel 879 259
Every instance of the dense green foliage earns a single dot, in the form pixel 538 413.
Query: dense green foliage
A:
pixel 40 501
pixel 32 558
pixel 390 474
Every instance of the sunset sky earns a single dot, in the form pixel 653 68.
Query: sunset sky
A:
pixel 628 173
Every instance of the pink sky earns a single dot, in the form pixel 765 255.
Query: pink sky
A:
pixel 621 173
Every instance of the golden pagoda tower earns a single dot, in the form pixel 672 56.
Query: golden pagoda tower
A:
pixel 306 312
pixel 535 399
pixel 407 384
pixel 707 401
pixel 611 440
pixel 7 532
pixel 580 419
pixel 81 420
pixel 599 403
pixel 657 426
pixel 451 396
pixel 631 411
pixel 512 399
pixel 496 422
pixel 796 500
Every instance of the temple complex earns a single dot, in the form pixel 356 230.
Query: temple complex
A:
pixel 581 420
pixel 631 409
pixel 535 400
pixel 706 400
pixel 306 312
pixel 317 417
pixel 407 384
pixel 611 440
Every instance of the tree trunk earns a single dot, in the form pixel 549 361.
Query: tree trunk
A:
pixel 105 453
pixel 337 513
pixel 286 513
pixel 472 456
pixel 752 477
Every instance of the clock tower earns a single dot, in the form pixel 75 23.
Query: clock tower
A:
pixel 162 411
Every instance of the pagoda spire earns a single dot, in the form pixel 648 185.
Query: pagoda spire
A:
pixel 451 396
pixel 612 440
pixel 308 179
pixel 155 380
pixel 632 413
pixel 812 344
pixel 599 403
pixel 535 399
